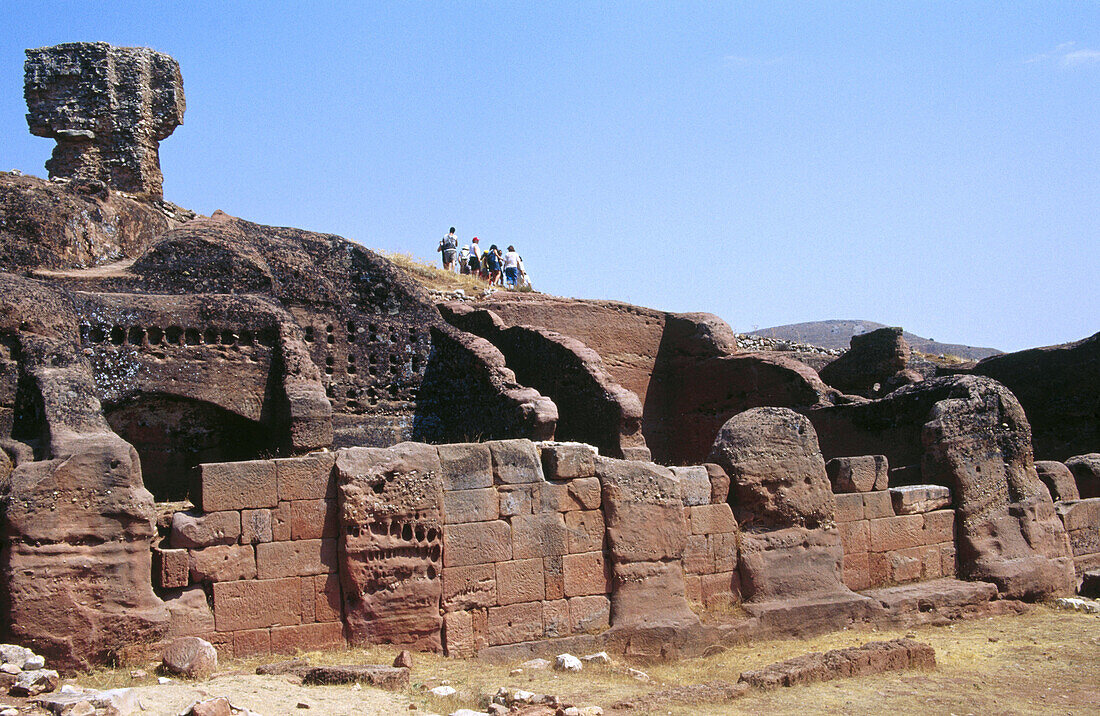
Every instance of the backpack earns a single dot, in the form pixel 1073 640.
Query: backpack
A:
pixel 493 262
pixel 449 243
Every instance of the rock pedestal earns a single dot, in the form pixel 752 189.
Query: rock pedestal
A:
pixel 108 108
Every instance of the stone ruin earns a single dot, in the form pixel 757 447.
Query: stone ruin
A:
pixel 276 440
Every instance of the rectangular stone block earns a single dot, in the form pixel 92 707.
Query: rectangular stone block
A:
pixel 555 618
pixel 724 547
pixel 877 505
pixel 515 462
pixel 256 526
pixel 585 574
pixel 478 505
pixel 849 508
pixel 256 603
pixel 906 565
pixel 712 519
pixel 721 590
pixel 238 485
pixel 917 499
pixel 947 559
pixel 222 563
pixel 693 588
pixel 327 600
pixel 585 531
pixel 589 615
pixel 698 559
pixel 173 568
pixel 553 569
pixel 520 581
pixel 719 483
pixel 540 535
pixel 1084 541
pixel 309 600
pixel 939 526
pixel 192 530
pixel 567 461
pixel 515 623
pixel 516 499
pixel 855 536
pixel 250 642
pixel 857 574
pixel 458 634
pixel 477 543
pixel 280 522
pixel 466 466
pixel 296 559
pixel 307 637
pixel 582 493
pixel 314 519
pixel 306 478
pixel 931 562
pixel 889 534
pixel 694 484
pixel 469 587
pixel 1079 514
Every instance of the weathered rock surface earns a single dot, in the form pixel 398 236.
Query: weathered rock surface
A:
pixel 1086 473
pixel 777 474
pixel 861 473
pixel 918 499
pixel 1059 389
pixel 1058 479
pixel 872 658
pixel 108 108
pixel 391 678
pixel 190 656
pixel 874 360
pixel 391 544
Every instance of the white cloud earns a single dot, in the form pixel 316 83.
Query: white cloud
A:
pixel 1067 55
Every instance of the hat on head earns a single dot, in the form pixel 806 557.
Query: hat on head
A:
pixel 474 239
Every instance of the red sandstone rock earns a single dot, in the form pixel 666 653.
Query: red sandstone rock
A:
pixel 917 499
pixel 873 360
pixel 863 473
pixel 1086 473
pixel 190 656
pixel 1058 479
pixel 777 474
pixel 391 506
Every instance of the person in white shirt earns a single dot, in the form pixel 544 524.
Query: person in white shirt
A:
pixel 512 265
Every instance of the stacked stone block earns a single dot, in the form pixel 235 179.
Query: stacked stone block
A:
pixel 264 552
pixel 523 544
pixel 883 547
pixel 1081 519
pixel 710 553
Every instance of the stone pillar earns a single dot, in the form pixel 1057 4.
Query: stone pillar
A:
pixel 108 108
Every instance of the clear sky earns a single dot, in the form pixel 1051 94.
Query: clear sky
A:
pixel 929 165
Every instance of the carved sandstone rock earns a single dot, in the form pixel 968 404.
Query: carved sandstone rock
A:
pixel 108 108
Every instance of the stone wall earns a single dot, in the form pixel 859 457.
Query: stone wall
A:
pixel 507 540
pixel 255 569
pixel 1082 522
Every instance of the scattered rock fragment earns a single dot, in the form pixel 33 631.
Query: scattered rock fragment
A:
pixel 871 658
pixel 191 657
pixel 443 691
pixel 600 657
pixel 404 659
pixel 567 662
pixel 33 683
pixel 1088 606
pixel 392 678
pixel 535 664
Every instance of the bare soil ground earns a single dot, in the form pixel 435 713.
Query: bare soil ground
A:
pixel 1044 662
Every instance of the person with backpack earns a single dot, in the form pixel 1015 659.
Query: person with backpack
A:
pixel 448 245
pixel 464 260
pixel 493 264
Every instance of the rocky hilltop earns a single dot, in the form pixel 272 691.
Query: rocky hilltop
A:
pixel 836 334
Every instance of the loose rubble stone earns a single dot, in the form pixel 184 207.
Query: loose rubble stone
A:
pixel 917 499
pixel 191 656
pixel 1089 606
pixel 391 678
pixel 404 659
pixel 33 683
pixel 871 658
pixel 567 662
pixel 600 657
pixel 219 706
pixel 443 691
pixel 535 664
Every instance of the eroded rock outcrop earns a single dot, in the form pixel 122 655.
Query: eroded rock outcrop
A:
pixel 970 434
pixel 108 108
pixel 874 365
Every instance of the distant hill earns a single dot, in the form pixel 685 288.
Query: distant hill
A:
pixel 838 334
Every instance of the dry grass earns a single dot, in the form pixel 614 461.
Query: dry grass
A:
pixel 1045 662
pixel 434 277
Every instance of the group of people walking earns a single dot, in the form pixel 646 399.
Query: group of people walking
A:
pixel 499 268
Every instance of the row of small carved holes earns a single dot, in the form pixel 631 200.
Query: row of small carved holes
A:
pixel 175 335
pixel 354 331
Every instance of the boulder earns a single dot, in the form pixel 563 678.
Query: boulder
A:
pixel 1086 473
pixel 777 474
pixel 33 683
pixel 1058 479
pixel 191 657
pixel 874 360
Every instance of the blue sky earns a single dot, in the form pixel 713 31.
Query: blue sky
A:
pixel 929 165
